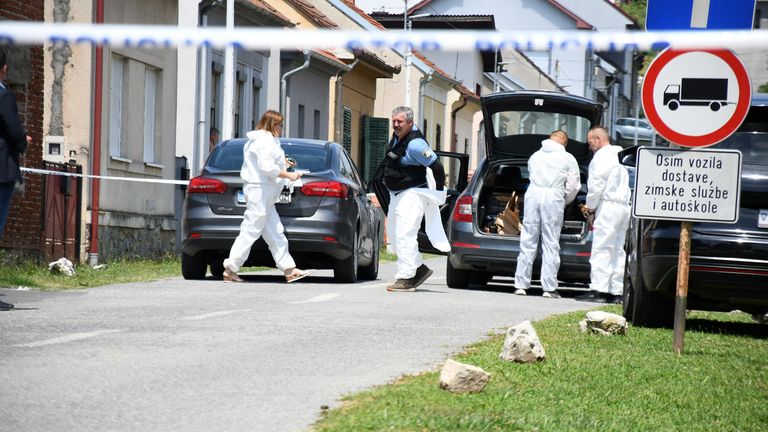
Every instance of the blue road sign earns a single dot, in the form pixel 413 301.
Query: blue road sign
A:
pixel 700 14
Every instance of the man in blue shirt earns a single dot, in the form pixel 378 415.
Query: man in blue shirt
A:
pixel 405 176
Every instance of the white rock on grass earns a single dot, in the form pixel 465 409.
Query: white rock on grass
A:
pixel 62 266
pixel 604 323
pixel 463 378
pixel 522 344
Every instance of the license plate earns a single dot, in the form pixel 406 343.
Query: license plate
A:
pixel 285 197
pixel 240 197
pixel 762 219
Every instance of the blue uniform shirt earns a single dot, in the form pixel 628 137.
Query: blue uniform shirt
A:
pixel 418 153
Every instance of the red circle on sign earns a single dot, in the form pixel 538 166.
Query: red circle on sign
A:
pixel 740 113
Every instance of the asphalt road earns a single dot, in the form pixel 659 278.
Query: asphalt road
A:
pixel 206 355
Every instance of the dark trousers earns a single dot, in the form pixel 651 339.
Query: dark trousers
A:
pixel 6 193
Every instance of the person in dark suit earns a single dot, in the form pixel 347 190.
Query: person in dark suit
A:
pixel 13 142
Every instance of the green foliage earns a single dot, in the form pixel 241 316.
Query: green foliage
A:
pixel 763 88
pixel 587 382
pixel 636 9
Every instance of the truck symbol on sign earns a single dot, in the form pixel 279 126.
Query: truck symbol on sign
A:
pixel 697 91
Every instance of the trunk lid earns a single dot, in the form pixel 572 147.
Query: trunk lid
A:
pixel 516 122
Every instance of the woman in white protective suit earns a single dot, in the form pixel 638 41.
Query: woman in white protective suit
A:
pixel 608 197
pixel 265 173
pixel 554 175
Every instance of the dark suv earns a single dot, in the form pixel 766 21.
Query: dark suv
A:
pixel 729 262
pixel 515 123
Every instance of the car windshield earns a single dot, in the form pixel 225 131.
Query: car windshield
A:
pixel 507 123
pixel 308 157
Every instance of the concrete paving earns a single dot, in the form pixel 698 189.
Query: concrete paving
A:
pixel 208 355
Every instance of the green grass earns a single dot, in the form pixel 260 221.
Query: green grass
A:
pixel 588 383
pixel 143 270
pixel 86 277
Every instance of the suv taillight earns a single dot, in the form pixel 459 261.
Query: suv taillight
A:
pixel 326 188
pixel 206 185
pixel 462 212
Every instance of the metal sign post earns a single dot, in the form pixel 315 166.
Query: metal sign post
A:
pixel 681 293
pixel 695 99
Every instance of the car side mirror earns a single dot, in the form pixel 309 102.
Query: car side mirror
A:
pixel 628 156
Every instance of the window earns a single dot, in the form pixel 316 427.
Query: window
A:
pixel 438 136
pixel 301 121
pixel 255 104
pixel 150 110
pixel 511 123
pixel 116 106
pixel 215 98
pixel 316 126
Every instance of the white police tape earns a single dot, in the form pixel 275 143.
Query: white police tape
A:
pixel 165 36
pixel 131 179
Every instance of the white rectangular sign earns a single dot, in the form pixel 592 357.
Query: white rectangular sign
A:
pixel 687 185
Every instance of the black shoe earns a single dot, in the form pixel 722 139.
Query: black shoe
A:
pixel 422 273
pixel 5 306
pixel 402 285
pixel 594 297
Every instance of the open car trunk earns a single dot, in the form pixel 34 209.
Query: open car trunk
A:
pixel 511 177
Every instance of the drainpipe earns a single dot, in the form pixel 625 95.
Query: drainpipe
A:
pixel 284 90
pixel 339 117
pixel 422 85
pixel 464 102
pixel 93 248
pixel 203 131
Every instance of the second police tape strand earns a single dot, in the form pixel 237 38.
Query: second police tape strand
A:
pixel 91 176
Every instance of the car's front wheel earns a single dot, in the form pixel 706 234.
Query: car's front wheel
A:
pixel 345 271
pixel 371 271
pixel 456 278
pixel 193 266
pixel 646 308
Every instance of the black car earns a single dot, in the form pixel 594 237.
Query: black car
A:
pixel 329 221
pixel 729 262
pixel 515 124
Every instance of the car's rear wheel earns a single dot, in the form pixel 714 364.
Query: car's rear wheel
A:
pixel 478 279
pixel 456 278
pixel 193 266
pixel 371 271
pixel 345 271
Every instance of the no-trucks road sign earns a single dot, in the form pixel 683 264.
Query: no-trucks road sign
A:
pixel 696 98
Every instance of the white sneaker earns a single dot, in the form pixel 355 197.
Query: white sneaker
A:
pixel 551 294
pixel 520 291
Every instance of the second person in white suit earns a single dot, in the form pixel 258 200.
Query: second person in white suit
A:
pixel 554 175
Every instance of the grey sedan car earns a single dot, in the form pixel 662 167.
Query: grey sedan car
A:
pixel 329 220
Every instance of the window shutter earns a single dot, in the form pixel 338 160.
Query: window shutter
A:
pixel 150 86
pixel 375 140
pixel 346 135
pixel 115 106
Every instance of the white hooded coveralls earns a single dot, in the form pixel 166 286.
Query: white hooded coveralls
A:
pixel 263 160
pixel 554 176
pixel 609 194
